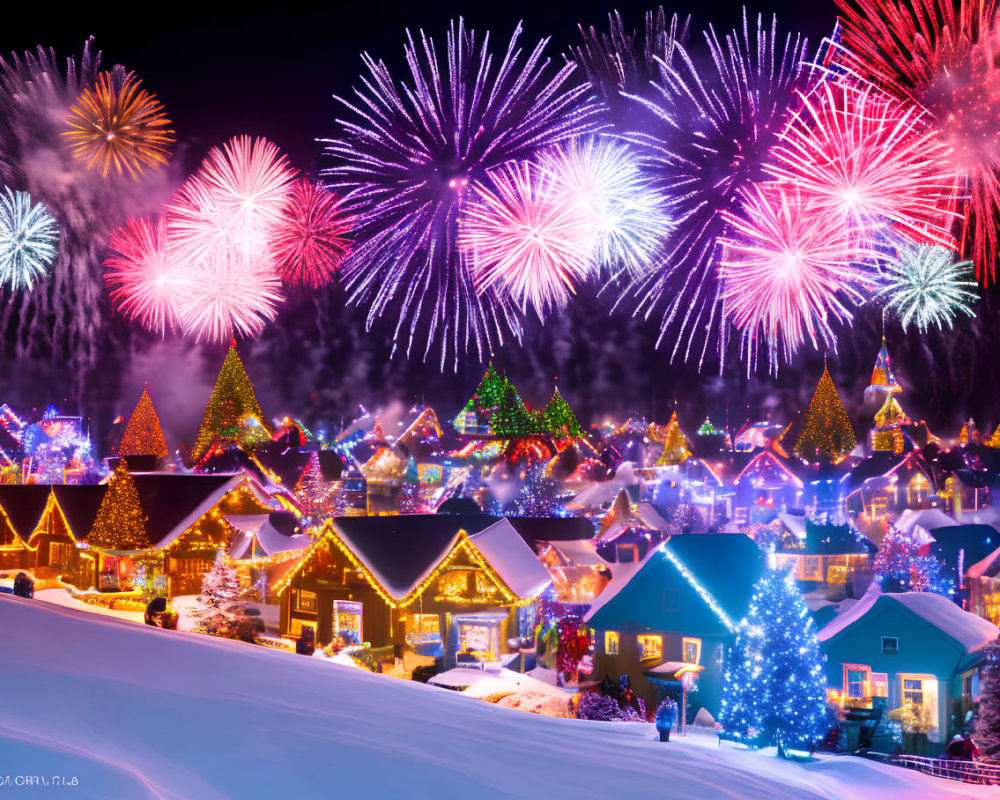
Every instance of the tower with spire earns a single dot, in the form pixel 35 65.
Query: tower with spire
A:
pixel 883 383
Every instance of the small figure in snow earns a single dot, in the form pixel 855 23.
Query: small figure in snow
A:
pixel 666 716
pixel 962 748
pixel 305 645
pixel 24 586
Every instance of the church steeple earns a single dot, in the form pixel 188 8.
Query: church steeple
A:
pixel 883 378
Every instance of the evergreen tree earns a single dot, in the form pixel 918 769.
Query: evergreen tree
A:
pixel 220 587
pixel 988 713
pixel 894 560
pixel 512 419
pixel 313 492
pixel 539 497
pixel 927 574
pixel 675 446
pixel 143 435
pixel 559 417
pixel 774 689
pixel 232 401
pixel 827 434
pixel 120 523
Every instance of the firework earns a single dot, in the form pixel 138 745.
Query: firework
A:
pixel 310 241
pixel 788 274
pixel 143 281
pixel 944 57
pixel 620 62
pixel 714 133
pixel 28 239
pixel 408 155
pixel 527 237
pixel 119 124
pixel 869 160
pixel 926 288
pixel 604 178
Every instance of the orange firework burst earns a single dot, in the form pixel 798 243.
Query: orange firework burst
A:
pixel 119 124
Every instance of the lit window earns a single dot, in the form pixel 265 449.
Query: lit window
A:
pixel 812 568
pixel 913 691
pixel 650 647
pixel 890 645
pixel 691 650
pixel 879 684
pixel 855 683
pixel 306 602
pixel 611 643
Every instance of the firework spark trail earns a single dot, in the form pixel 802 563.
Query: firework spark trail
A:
pixel 871 161
pixel 408 155
pixel 310 242
pixel 66 317
pixel 29 240
pixel 923 286
pixel 604 177
pixel 118 124
pixel 525 236
pixel 945 57
pixel 788 272
pixel 143 282
pixel 714 133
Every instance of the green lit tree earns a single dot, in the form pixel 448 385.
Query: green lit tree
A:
pixel 559 417
pixel 512 419
pixel 232 401
pixel 827 434
pixel 120 523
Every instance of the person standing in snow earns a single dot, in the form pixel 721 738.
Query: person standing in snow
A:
pixel 666 716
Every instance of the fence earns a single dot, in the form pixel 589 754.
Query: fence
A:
pixel 981 772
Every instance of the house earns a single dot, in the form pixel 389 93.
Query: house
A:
pixel 827 557
pixel 427 586
pixel 914 649
pixel 764 486
pixel 680 604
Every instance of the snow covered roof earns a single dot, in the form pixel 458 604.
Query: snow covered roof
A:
pixel 597 494
pixel 981 568
pixel 621 574
pixel 579 553
pixel 970 631
pixel 513 560
pixel 983 516
pixel 257 527
pixel 926 518
pixel 796 525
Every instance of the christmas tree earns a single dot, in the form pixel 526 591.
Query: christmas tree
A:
pixel 539 496
pixel 675 448
pixel 894 560
pixel 489 393
pixel 559 417
pixel 120 523
pixel 708 429
pixel 220 587
pixel 927 574
pixel 774 689
pixel 313 492
pixel 988 715
pixel 512 419
pixel 827 434
pixel 232 401
pixel 143 435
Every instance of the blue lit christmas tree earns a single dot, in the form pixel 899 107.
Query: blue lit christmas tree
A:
pixel 774 689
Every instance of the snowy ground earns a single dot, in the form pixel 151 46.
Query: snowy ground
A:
pixel 132 711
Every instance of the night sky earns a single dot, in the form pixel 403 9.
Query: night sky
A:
pixel 222 73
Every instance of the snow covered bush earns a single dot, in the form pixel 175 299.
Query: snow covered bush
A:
pixel 597 707
pixel 547 705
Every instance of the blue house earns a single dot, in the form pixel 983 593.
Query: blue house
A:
pixel 675 613
pixel 915 650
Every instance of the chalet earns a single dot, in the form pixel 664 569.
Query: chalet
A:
pixel 827 557
pixel 679 605
pixel 766 485
pixel 428 586
pixel 915 651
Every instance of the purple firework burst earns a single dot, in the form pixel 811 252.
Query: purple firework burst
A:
pixel 406 159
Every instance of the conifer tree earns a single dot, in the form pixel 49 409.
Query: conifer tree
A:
pixel 774 689
pixel 143 435
pixel 894 560
pixel 120 523
pixel 512 419
pixel 827 434
pixel 988 714
pixel 313 492
pixel 559 417
pixel 232 401
pixel 220 587
pixel 675 446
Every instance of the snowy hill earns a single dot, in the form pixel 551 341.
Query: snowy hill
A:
pixel 137 712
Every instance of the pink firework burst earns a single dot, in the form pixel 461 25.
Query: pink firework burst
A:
pixel 310 242
pixel 527 238
pixel 871 161
pixel 227 297
pixel 788 272
pixel 143 281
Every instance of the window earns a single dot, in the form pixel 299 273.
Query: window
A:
pixel 671 600
pixel 306 601
pixel 879 684
pixel 611 643
pixel 890 645
pixel 812 568
pixel 650 647
pixel 913 691
pixel 691 650
pixel 347 620
pixel 856 683
pixel 58 553
pixel 920 699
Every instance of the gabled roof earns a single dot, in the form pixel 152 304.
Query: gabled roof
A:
pixel 172 502
pixel 285 463
pixel 514 561
pixel 767 471
pixel 721 568
pixel 23 506
pixel 969 631
pixel 256 536
pixel 79 505
pixel 555 529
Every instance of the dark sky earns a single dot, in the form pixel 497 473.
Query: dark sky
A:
pixel 222 73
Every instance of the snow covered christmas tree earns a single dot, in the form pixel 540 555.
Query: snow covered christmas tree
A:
pixel 220 587
pixel 313 492
pixel 894 560
pixel 774 689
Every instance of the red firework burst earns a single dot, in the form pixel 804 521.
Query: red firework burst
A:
pixel 942 56
pixel 309 242
pixel 143 281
